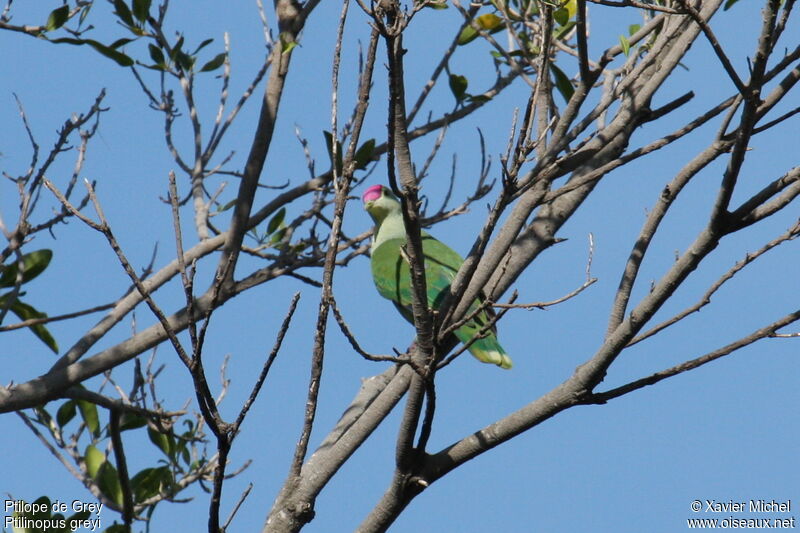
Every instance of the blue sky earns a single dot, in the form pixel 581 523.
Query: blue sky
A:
pixel 727 431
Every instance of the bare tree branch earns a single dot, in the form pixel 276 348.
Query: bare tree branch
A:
pixel 762 333
pixel 790 234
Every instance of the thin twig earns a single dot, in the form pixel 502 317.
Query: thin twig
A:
pixel 354 343
pixel 63 460
pixel 79 393
pixel 267 364
pixel 543 305
pixel 765 332
pixel 342 190
pixel 790 234
pixel 235 509
pixel 45 320
pixel 712 40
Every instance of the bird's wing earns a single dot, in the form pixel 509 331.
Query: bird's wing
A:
pixel 390 274
pixel 390 270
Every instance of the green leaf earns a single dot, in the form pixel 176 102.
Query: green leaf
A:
pixel 90 417
pixel 76 518
pixel 202 45
pixel 633 28
pixel 65 413
pixel 276 221
pixel 119 57
pixel 43 510
pixel 561 16
pixel 156 54
pixel 467 35
pixel 287 42
pixel 120 42
pixel 122 11
pixel 158 68
pixel 176 49
pixel 108 482
pixel 458 86
pixel 288 47
pixel 729 4
pixel 185 455
pixel 58 17
pixel 33 264
pixel 625 44
pixel 563 83
pixel 162 441
pixel 364 154
pixel 149 482
pixel 277 237
pixel 180 449
pixel 93 458
pixel 141 9
pixel 185 61
pixel 27 312
pixel 215 63
pixel 571 7
pixel 107 51
pixel 488 22
pixel 561 31
pixel 227 206
pixel 43 500
pixel 131 421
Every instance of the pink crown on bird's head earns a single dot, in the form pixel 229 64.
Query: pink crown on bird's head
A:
pixel 372 193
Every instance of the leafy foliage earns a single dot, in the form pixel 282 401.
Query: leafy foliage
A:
pixel 180 456
pixel 136 19
pixel 18 273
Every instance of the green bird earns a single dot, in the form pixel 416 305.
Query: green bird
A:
pixel 392 276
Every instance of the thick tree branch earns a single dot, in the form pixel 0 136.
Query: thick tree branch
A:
pixel 290 23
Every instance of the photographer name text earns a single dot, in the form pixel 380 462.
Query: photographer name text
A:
pixel 750 506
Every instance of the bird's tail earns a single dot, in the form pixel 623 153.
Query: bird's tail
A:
pixel 487 349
